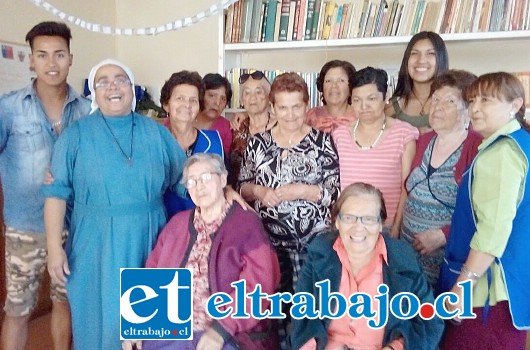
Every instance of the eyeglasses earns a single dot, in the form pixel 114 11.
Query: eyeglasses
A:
pixel 204 178
pixel 365 220
pixel 257 75
pixel 105 84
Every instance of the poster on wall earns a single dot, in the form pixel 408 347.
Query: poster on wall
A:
pixel 14 66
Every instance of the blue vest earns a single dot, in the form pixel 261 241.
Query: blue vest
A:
pixel 208 141
pixel 514 261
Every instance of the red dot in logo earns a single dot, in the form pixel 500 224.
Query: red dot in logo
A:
pixel 175 332
pixel 427 311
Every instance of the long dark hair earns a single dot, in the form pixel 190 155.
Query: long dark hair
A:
pixel 405 83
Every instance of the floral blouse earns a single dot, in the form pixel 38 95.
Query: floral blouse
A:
pixel 314 161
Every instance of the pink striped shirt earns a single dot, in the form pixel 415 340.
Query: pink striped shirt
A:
pixel 379 166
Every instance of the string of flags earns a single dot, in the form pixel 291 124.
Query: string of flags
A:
pixel 152 30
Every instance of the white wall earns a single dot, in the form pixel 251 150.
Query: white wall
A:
pixel 17 17
pixel 154 58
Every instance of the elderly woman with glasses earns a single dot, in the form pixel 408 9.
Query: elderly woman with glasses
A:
pixel 334 82
pixel 212 241
pixel 441 158
pixel 291 174
pixel 357 258
pixel 113 166
pixel 254 94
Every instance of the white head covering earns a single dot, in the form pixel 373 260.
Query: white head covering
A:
pixel 92 76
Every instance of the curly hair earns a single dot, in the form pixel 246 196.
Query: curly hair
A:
pixel 181 78
pixel 289 82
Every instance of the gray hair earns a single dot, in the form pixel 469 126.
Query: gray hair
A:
pixel 213 159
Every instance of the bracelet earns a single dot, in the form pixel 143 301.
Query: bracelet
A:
pixel 468 274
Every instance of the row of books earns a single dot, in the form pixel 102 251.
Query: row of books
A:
pixel 315 97
pixel 291 20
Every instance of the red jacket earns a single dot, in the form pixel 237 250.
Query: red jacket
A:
pixel 240 250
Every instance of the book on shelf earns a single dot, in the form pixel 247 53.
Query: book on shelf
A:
pixel 228 22
pixel 315 20
pixel 263 14
pixel 321 19
pixel 277 22
pixel 246 21
pixel 335 28
pixel 290 28
pixel 255 20
pixel 328 19
pixel 270 20
pixel 302 20
pixel 284 20
pixel 296 19
pixel 309 19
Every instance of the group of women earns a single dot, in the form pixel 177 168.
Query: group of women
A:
pixel 119 172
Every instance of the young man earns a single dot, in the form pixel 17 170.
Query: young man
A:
pixel 31 119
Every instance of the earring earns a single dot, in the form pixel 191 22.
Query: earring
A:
pixel 512 114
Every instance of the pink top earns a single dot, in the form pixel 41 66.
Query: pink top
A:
pixel 319 118
pixel 355 333
pixel 222 125
pixel 379 166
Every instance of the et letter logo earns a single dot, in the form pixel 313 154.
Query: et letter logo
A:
pixel 156 304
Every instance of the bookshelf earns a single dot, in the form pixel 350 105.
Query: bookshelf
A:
pixel 478 52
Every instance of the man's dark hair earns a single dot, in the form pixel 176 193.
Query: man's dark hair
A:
pixel 49 29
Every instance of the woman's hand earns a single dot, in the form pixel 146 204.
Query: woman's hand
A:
pixel 210 340
pixel 58 265
pixel 231 195
pixel 129 344
pixel 238 119
pixel 268 196
pixel 429 241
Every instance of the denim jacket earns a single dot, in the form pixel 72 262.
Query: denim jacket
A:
pixel 26 144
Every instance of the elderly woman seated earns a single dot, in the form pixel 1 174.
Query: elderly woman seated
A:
pixel 357 259
pixel 211 240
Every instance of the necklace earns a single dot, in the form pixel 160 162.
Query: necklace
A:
pixel 422 112
pixel 57 123
pixel 128 157
pixel 376 140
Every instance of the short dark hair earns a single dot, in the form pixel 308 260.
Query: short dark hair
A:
pixel 371 75
pixel 289 82
pixel 404 84
pixel 357 189
pixel 345 65
pixel 455 78
pixel 213 81
pixel 181 78
pixel 49 29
